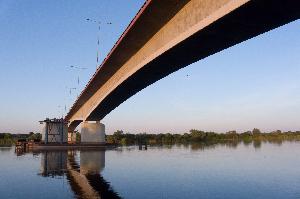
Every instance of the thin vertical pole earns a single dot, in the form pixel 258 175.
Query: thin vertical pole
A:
pixel 62 131
pixel 46 133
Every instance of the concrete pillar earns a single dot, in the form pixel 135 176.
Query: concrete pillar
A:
pixel 93 133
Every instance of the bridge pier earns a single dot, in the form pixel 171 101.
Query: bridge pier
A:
pixel 92 133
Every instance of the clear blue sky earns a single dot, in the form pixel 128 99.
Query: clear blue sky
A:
pixel 253 84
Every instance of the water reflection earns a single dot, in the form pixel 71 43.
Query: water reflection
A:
pixel 53 163
pixel 256 143
pixel 5 149
pixel 211 145
pixel 91 162
pixel 239 169
pixel 82 170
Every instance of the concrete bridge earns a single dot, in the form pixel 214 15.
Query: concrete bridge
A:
pixel 168 35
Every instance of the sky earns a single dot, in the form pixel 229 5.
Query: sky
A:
pixel 254 84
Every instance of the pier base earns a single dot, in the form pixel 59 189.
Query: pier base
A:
pixel 92 133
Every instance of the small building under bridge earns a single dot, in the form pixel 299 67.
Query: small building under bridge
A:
pixel 54 131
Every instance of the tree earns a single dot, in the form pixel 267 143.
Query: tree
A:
pixel 7 136
pixel 197 135
pixel 110 139
pixel 78 137
pixel 232 134
pixel 38 136
pixel 256 132
pixel 118 135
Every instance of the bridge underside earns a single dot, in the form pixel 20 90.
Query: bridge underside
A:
pixel 226 23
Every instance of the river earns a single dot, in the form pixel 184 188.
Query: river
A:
pixel 266 170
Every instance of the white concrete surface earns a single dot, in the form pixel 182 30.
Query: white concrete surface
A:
pixel 92 132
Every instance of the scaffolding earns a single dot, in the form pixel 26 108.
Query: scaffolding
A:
pixel 55 131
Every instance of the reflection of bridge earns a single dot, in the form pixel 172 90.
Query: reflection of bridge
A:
pixel 166 36
pixel 84 177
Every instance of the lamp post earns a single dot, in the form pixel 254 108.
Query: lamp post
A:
pixel 70 90
pixel 99 23
pixel 83 68
pixel 78 68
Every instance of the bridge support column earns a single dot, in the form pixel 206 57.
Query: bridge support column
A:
pixel 92 133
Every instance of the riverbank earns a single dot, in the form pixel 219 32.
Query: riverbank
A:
pixel 198 136
pixel 40 146
pixel 6 142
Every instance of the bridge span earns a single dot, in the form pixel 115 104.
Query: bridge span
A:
pixel 165 36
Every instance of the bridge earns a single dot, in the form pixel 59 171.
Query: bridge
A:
pixel 165 36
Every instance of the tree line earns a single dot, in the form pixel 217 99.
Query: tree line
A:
pixel 198 136
pixel 8 139
pixel 192 137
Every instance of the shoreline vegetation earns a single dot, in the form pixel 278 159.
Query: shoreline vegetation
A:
pixel 199 137
pixel 193 137
pixel 8 139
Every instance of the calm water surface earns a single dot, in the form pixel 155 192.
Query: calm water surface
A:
pixel 220 171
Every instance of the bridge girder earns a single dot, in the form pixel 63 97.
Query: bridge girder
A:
pixel 168 35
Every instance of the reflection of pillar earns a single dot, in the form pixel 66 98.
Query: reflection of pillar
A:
pixel 53 163
pixel 93 133
pixel 92 162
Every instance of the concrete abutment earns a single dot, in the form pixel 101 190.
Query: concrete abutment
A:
pixel 92 133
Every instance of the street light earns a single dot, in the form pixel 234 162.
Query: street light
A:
pixel 70 89
pixel 67 99
pixel 99 22
pixel 98 41
pixel 79 68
